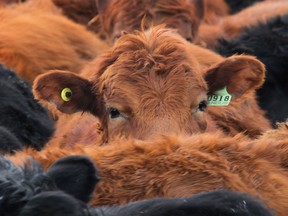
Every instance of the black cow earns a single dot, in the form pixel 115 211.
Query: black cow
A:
pixel 74 175
pixel 22 118
pixel 215 203
pixel 269 43
pixel 238 5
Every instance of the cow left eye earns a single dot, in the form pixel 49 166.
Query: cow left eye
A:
pixel 202 106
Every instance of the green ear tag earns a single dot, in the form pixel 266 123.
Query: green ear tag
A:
pixel 66 94
pixel 219 98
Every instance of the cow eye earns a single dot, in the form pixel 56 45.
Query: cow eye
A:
pixel 114 113
pixel 202 106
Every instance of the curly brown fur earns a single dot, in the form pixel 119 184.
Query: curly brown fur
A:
pixel 133 170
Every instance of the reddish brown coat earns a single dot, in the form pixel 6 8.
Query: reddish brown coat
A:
pixel 178 167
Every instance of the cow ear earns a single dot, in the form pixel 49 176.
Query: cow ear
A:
pixel 65 90
pixel 101 5
pixel 199 7
pixel 239 74
pixel 76 175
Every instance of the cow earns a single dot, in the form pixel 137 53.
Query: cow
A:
pixel 35 37
pixel 143 87
pixel 174 166
pixel 268 41
pixel 231 26
pixel 65 188
pixel 118 16
pixel 23 121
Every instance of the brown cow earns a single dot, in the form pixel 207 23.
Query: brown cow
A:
pixel 116 16
pixel 35 38
pixel 156 83
pixel 81 11
pixel 231 26
pixel 178 167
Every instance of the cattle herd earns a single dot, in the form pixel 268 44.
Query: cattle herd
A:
pixel 143 107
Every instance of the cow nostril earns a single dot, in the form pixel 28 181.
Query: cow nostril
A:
pixel 189 39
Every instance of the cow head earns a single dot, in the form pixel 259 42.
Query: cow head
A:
pixel 117 16
pixel 149 84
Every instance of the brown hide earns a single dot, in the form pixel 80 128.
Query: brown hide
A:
pixel 231 26
pixel 215 10
pixel 178 167
pixel 155 83
pixel 116 16
pixel 35 38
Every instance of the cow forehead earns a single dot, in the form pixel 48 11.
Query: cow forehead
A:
pixel 154 84
pixel 157 51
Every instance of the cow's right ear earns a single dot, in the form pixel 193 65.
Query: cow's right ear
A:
pixel 67 91
pixel 239 73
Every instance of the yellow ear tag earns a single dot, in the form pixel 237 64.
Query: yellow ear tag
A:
pixel 219 98
pixel 66 94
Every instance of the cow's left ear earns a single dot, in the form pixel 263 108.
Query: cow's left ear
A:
pixel 239 74
pixel 67 91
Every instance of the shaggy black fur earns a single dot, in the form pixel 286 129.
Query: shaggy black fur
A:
pixel 74 175
pixel 215 203
pixel 221 202
pixel 269 42
pixel 66 187
pixel 21 114
pixel 238 5
pixel 55 203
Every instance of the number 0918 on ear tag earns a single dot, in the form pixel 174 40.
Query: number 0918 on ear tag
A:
pixel 219 98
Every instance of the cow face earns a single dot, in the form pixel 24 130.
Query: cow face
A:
pixel 150 84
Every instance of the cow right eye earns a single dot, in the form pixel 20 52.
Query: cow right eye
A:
pixel 114 113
